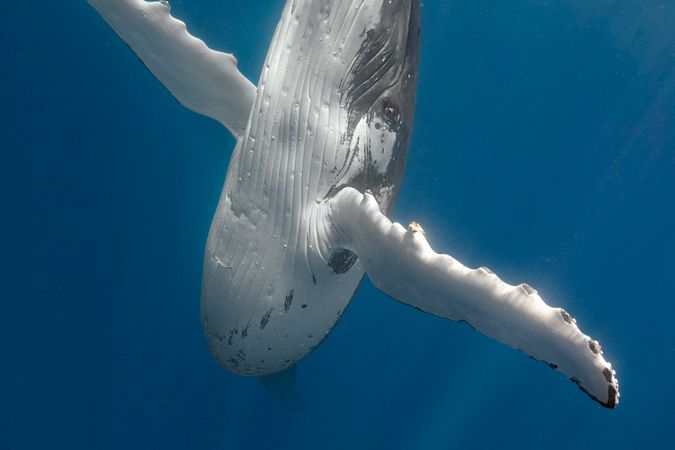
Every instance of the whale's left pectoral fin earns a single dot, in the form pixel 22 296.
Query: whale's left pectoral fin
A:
pixel 204 80
pixel 401 263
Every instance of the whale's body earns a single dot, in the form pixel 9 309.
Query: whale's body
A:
pixel 334 108
pixel 321 149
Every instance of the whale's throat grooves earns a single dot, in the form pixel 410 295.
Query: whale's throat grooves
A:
pixel 334 108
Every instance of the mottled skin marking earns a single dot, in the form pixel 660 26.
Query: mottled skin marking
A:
pixel 265 319
pixel 607 374
pixel 611 392
pixel 612 396
pixel 380 88
pixel 341 261
pixel 289 300
pixel 232 334
pixel 233 361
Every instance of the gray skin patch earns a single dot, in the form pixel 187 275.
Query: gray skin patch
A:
pixel 265 319
pixel 232 334
pixel 289 300
pixel 234 362
pixel 341 261
pixel 611 393
pixel 607 374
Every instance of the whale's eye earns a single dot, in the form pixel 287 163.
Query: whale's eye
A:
pixel 391 113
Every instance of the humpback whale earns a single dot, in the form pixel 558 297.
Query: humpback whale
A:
pixel 321 146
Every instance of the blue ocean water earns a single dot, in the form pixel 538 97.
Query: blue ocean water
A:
pixel 544 147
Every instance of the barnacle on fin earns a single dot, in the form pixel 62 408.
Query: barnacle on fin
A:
pixel 566 316
pixel 415 227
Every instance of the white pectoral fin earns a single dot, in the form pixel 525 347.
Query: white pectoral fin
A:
pixel 401 263
pixel 204 80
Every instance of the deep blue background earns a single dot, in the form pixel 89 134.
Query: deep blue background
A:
pixel 544 148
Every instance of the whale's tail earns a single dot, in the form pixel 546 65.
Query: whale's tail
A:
pixel 284 388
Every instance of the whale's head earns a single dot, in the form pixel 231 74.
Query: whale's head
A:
pixel 377 92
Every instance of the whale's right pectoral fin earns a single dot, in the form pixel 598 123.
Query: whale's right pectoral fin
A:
pixel 204 80
pixel 401 263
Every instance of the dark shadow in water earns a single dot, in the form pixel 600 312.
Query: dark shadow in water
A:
pixel 283 387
